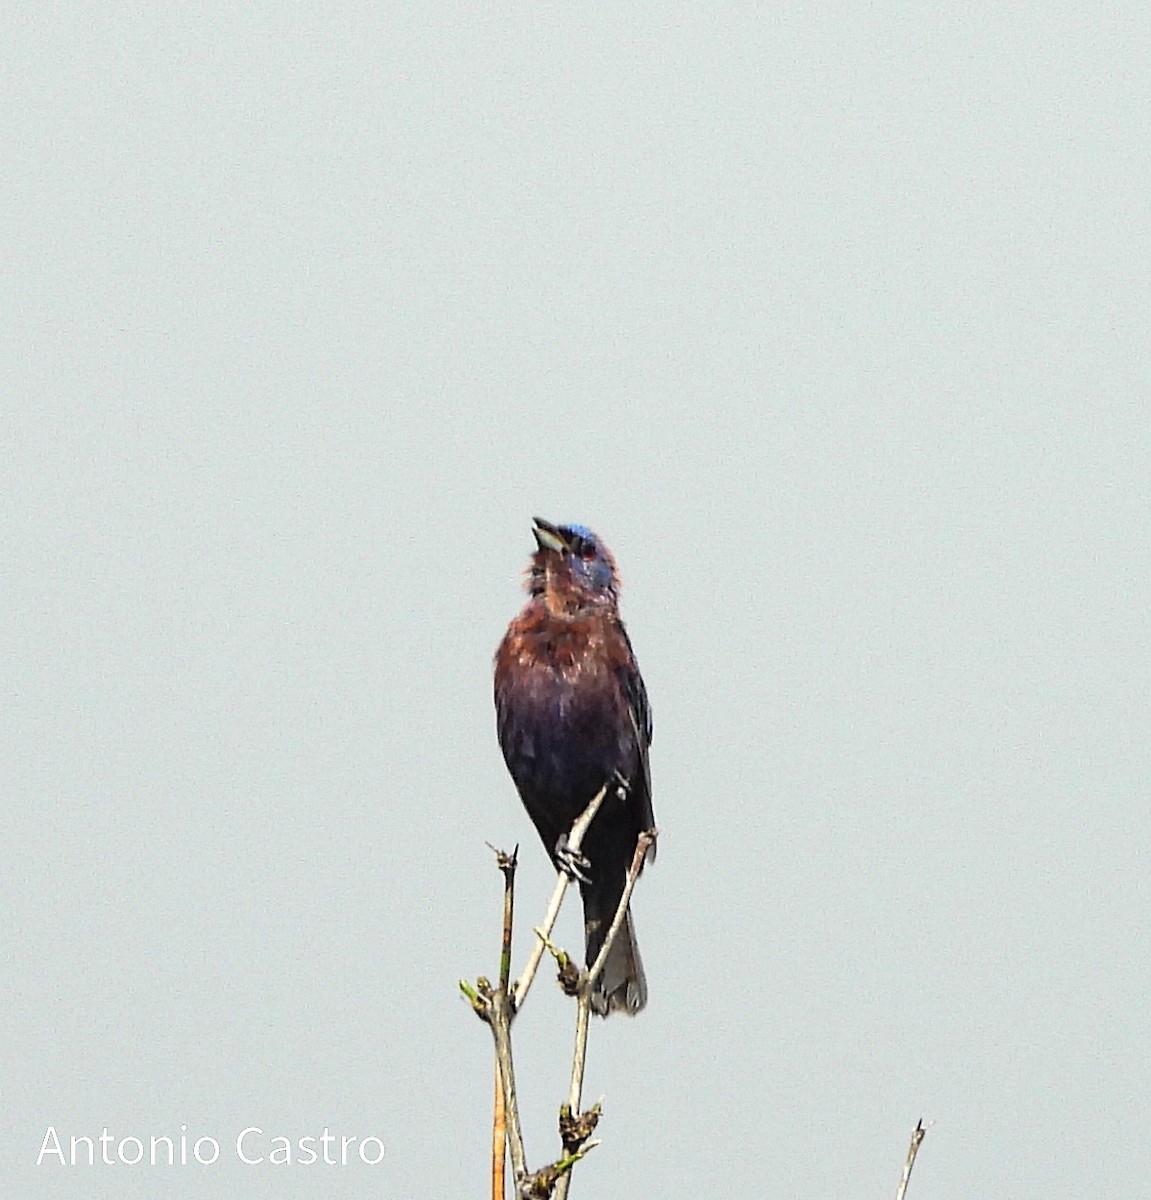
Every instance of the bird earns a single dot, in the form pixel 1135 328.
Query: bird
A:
pixel 572 717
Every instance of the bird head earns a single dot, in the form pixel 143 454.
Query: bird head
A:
pixel 571 568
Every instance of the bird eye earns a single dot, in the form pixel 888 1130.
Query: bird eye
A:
pixel 585 548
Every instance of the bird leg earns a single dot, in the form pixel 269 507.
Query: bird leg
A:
pixel 572 862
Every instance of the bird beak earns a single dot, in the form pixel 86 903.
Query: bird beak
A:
pixel 548 536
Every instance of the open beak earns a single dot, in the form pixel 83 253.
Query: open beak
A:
pixel 548 536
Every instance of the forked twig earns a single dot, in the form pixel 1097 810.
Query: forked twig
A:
pixel 579 830
pixel 498 1006
pixel 499 1017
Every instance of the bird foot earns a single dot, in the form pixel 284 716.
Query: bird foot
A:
pixel 572 862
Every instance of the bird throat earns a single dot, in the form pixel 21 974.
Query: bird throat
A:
pixel 563 598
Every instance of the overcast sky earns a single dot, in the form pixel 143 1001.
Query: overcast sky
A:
pixel 833 322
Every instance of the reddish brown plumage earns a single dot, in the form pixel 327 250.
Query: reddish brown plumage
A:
pixel 572 715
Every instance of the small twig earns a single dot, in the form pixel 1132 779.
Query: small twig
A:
pixel 917 1137
pixel 587 986
pixel 507 864
pixel 499 1138
pixel 520 989
pixel 500 1020
pixel 642 846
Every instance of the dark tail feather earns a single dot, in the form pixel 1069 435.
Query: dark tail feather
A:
pixel 622 986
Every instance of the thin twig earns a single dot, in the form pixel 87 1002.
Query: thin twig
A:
pixel 499 1138
pixel 917 1137
pixel 520 989
pixel 642 846
pixel 500 1020
pixel 507 864
pixel 587 986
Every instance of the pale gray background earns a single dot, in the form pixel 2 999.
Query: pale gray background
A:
pixel 833 321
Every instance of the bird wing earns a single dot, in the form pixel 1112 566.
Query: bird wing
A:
pixel 639 710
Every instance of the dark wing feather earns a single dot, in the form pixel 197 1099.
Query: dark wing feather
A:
pixel 639 710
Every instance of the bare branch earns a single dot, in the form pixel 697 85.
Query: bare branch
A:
pixel 498 1006
pixel 917 1137
pixel 507 864
pixel 579 830
pixel 499 1138
pixel 643 844
pixel 500 1020
pixel 571 1110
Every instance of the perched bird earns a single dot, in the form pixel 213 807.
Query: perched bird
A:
pixel 572 715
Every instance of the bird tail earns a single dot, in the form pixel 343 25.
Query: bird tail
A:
pixel 622 986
